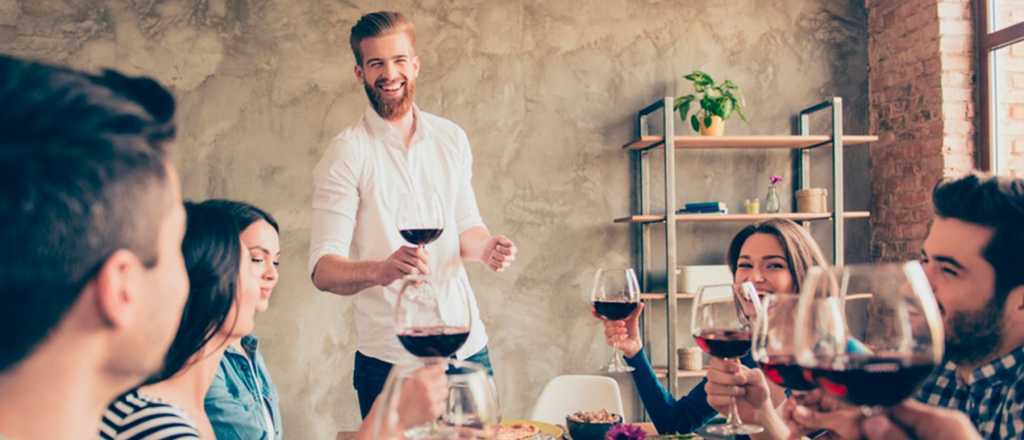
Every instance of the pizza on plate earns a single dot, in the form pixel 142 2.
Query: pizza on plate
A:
pixel 517 431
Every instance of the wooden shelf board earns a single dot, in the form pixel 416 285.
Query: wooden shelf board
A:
pixel 663 371
pixel 791 142
pixel 707 218
pixel 641 219
pixel 661 296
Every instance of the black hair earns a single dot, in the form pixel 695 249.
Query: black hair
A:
pixel 244 213
pixel 996 202
pixel 213 255
pixel 84 175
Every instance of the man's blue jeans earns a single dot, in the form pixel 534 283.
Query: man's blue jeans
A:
pixel 371 373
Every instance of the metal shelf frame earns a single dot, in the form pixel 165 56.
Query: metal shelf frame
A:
pixel 640 204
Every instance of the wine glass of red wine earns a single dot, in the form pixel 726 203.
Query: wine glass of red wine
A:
pixel 774 344
pixel 614 296
pixel 433 316
pixel 722 330
pixel 869 334
pixel 471 410
pixel 420 217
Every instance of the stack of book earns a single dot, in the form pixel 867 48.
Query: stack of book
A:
pixel 704 208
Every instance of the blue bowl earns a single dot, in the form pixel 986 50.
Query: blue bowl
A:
pixel 587 430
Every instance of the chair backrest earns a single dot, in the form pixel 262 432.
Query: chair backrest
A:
pixel 567 394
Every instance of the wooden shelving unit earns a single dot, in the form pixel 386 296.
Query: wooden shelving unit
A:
pixel 744 218
pixel 661 296
pixel 794 142
pixel 662 372
pixel 643 216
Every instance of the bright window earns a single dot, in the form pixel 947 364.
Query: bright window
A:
pixel 1001 86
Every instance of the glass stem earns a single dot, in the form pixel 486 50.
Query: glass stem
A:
pixel 733 418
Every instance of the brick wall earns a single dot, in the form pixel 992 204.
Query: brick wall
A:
pixel 921 107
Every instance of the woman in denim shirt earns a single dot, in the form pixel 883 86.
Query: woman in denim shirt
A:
pixel 242 402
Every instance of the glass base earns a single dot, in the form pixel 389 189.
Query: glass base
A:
pixel 730 430
pixel 617 365
pixel 430 431
pixel 618 369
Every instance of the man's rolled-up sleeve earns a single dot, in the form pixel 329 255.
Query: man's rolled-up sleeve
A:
pixel 335 202
pixel 467 213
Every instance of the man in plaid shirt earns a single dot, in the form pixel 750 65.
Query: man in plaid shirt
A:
pixel 972 259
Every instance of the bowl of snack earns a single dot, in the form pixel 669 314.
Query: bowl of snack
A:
pixel 591 425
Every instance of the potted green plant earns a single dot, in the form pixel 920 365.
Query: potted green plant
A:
pixel 717 103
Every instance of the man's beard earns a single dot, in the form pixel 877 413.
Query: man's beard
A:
pixel 975 335
pixel 390 109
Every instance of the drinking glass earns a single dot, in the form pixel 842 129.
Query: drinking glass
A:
pixel 614 296
pixel 869 334
pixel 722 329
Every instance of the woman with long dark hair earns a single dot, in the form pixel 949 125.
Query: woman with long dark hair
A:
pixel 774 255
pixel 242 401
pixel 223 295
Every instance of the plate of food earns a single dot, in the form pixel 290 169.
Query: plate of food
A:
pixel 519 429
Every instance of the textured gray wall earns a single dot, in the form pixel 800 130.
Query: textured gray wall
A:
pixel 546 91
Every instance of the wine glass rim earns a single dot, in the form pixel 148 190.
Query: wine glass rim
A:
pixel 615 269
pixel 920 290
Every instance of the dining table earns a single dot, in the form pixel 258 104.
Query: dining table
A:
pixel 647 427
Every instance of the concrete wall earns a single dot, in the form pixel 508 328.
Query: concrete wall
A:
pixel 546 91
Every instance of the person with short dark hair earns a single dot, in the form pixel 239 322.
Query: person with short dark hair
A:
pixel 223 293
pixel 395 149
pixel 92 282
pixel 972 259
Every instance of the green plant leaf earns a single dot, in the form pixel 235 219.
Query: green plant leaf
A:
pixel 683 106
pixel 700 79
pixel 705 78
pixel 742 116
pixel 714 99
pixel 726 106
pixel 715 106
pixel 707 120
pixel 683 103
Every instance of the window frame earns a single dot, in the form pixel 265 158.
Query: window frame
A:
pixel 986 43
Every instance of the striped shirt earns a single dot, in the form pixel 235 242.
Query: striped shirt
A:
pixel 992 395
pixel 136 417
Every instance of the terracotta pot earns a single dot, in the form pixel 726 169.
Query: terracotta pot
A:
pixel 717 127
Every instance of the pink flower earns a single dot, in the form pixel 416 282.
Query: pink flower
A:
pixel 625 432
pixel 775 179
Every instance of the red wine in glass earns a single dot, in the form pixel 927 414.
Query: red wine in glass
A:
pixel 873 380
pixel 785 372
pixel 614 310
pixel 724 343
pixel 439 341
pixel 421 236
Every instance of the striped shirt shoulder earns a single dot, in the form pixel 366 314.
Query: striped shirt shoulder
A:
pixel 133 416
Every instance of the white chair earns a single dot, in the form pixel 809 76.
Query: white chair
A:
pixel 567 394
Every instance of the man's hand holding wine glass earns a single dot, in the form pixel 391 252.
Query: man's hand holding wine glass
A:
pixel 817 410
pixel 915 420
pixel 424 396
pixel 407 260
